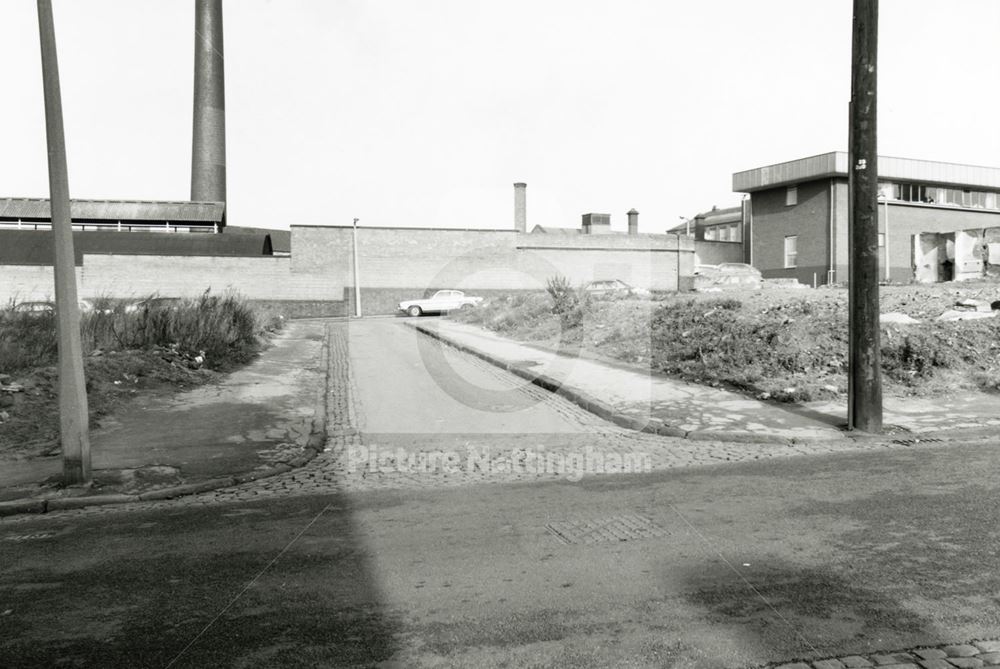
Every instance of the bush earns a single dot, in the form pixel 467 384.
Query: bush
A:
pixel 569 304
pixel 564 298
pixel 223 328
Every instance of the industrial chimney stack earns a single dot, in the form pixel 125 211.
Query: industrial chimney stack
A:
pixel 208 149
pixel 520 207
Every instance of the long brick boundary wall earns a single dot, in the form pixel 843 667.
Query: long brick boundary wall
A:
pixel 394 264
pixel 265 278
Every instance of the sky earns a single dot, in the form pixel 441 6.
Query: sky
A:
pixel 424 113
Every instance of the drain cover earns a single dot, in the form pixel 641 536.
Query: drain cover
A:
pixel 924 440
pixel 615 528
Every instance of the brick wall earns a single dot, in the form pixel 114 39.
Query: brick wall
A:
pixel 24 283
pixel 414 258
pixel 394 264
pixel 809 220
pixel 263 278
pixel 654 262
pixel 405 263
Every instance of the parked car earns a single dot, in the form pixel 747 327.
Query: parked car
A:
pixel 154 304
pixel 614 288
pixel 39 308
pixel 34 308
pixel 440 302
pixel 727 274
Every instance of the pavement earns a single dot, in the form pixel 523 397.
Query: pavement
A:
pixel 633 396
pixel 259 421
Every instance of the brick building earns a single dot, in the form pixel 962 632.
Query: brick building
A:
pixel 935 219
pixel 717 234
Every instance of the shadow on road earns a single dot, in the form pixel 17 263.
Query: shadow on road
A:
pixel 279 583
pixel 790 611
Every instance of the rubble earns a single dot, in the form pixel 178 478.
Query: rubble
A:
pixel 974 305
pixel 953 315
pixel 175 356
pixel 897 318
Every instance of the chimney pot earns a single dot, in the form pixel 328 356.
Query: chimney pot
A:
pixel 633 221
pixel 520 207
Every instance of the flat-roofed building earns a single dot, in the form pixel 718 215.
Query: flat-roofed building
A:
pixel 933 218
pixel 22 213
pixel 131 227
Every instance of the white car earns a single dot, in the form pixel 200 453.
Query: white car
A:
pixel 440 302
pixel 614 288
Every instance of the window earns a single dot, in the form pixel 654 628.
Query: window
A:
pixel 959 197
pixel 791 251
pixel 791 196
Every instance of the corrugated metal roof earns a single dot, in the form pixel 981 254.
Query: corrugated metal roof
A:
pixel 793 171
pixel 716 216
pixel 30 247
pixel 116 210
pixel 889 168
pixel 711 217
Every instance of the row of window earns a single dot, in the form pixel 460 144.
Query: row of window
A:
pixel 727 232
pixel 935 194
pixel 910 192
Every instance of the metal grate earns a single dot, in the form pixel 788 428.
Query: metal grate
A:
pixel 916 440
pixel 615 528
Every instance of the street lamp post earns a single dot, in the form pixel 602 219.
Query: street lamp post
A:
pixel 888 275
pixel 357 283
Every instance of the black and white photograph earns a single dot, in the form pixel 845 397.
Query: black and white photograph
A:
pixel 466 333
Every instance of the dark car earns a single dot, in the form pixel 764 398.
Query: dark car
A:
pixel 154 304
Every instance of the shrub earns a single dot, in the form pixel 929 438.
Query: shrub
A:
pixel 569 304
pixel 564 298
pixel 224 328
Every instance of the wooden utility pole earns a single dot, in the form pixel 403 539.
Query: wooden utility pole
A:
pixel 865 380
pixel 73 421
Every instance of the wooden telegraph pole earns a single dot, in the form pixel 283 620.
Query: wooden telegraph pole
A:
pixel 865 380
pixel 72 389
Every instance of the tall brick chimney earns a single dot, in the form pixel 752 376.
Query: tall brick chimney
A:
pixel 633 222
pixel 208 145
pixel 520 206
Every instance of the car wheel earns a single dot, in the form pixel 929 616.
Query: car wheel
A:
pixel 414 310
pixel 465 307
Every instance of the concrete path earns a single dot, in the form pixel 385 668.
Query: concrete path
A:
pixel 716 412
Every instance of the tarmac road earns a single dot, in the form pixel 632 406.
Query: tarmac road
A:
pixel 732 565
